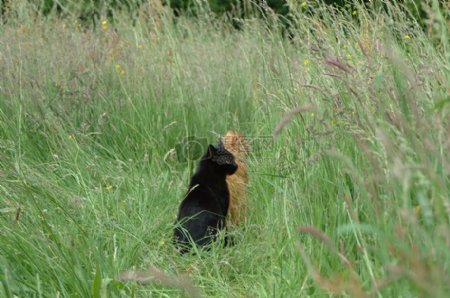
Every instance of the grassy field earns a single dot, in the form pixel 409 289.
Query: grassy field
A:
pixel 350 198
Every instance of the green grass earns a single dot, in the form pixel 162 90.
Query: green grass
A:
pixel 90 182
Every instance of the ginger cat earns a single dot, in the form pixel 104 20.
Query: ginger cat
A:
pixel 237 183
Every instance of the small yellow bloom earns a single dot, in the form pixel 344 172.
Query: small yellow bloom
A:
pixel 417 210
pixel 108 187
pixel 354 13
pixel 306 62
pixel 77 24
pixel 406 36
pixel 162 242
pixel 104 25
pixel 349 57
pixel 120 70
pixel 303 4
pixel 71 137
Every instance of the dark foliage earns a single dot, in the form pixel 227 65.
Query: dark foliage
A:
pixel 89 11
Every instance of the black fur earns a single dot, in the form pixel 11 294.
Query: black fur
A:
pixel 203 211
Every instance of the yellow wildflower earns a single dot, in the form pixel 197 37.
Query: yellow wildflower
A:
pixel 120 70
pixel 406 36
pixel 77 24
pixel 303 4
pixel 354 13
pixel 104 25
pixel 108 187
pixel 417 210
pixel 306 62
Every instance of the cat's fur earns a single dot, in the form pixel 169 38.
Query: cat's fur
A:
pixel 237 183
pixel 203 211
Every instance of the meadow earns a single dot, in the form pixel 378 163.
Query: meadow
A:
pixel 350 159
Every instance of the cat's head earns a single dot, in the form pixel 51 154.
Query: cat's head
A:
pixel 236 143
pixel 221 159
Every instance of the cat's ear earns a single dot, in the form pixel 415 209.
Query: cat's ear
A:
pixel 211 151
pixel 220 145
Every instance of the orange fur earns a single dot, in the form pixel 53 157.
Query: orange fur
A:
pixel 237 183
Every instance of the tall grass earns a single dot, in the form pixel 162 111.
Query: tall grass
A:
pixel 351 197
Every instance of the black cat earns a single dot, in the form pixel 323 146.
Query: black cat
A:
pixel 203 211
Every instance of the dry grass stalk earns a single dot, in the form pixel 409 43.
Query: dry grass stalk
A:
pixel 338 64
pixel 336 284
pixel 289 115
pixel 157 276
pixel 313 231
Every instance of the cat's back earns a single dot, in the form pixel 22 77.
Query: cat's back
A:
pixel 204 197
pixel 237 183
